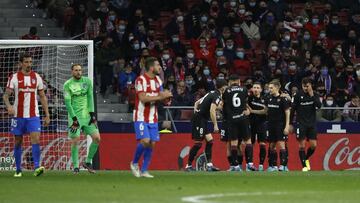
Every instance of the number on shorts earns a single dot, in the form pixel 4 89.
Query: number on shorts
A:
pixel 13 123
pixel 236 100
pixel 201 131
pixel 141 126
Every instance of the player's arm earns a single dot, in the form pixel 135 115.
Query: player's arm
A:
pixel 9 107
pixel 317 101
pixel 287 121
pixel 147 99
pixel 213 108
pixel 90 104
pixel 67 98
pixel 260 112
pixel 294 105
pixel 45 107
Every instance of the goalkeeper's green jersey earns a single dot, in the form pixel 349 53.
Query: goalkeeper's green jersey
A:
pixel 79 99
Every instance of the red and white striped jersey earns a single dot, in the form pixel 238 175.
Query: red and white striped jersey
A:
pixel 152 87
pixel 25 89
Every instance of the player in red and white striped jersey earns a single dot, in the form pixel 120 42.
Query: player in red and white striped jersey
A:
pixel 25 84
pixel 149 91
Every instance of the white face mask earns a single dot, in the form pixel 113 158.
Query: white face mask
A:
pixel 329 102
pixel 180 18
pixel 190 55
pixel 274 48
pixel 166 56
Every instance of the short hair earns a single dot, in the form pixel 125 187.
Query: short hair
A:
pixel 220 83
pixel 305 81
pixel 149 61
pixel 23 56
pixel 75 64
pixel 354 96
pixel 234 77
pixel 257 83
pixel 275 83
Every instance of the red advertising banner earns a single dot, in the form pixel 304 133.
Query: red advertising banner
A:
pixel 334 152
pixel 55 151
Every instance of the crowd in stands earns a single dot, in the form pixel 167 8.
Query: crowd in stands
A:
pixel 260 40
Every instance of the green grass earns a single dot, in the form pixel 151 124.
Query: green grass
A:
pixel 171 187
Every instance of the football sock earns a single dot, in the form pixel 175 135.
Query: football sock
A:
pixel 17 155
pixel 240 159
pixel 249 153
pixel 310 152
pixel 234 153
pixel 283 157
pixel 208 151
pixel 138 152
pixel 92 150
pixel 262 154
pixel 270 157
pixel 36 155
pixel 193 151
pixel 275 157
pixel 75 155
pixel 229 158
pixel 302 156
pixel 147 157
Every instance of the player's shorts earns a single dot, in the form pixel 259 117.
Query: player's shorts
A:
pixel 147 130
pixel 239 130
pixel 199 127
pixel 258 132
pixel 21 126
pixel 84 127
pixel 306 132
pixel 276 133
pixel 224 133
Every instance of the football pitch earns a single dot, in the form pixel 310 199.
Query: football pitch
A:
pixel 176 186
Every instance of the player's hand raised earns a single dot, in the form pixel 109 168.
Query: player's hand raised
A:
pixel 46 121
pixel 11 110
pixel 75 125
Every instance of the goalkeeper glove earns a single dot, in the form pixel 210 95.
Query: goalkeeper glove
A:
pixel 75 125
pixel 92 119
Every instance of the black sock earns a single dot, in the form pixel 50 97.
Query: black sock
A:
pixel 193 151
pixel 310 152
pixel 275 157
pixel 302 156
pixel 229 158
pixel 270 157
pixel 262 154
pixel 283 157
pixel 287 154
pixel 208 150
pixel 240 159
pixel 249 153
pixel 234 153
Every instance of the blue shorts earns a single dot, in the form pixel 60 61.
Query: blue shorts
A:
pixel 21 126
pixel 147 130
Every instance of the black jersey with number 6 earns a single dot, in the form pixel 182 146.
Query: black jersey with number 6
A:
pixel 235 100
pixel 213 97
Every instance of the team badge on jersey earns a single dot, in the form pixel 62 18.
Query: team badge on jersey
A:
pixel 33 81
pixel 83 85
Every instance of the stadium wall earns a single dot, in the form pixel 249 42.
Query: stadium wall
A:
pixel 334 152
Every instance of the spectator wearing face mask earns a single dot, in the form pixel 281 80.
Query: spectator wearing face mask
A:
pixel 273 50
pixel 314 26
pixel 176 45
pixel 240 39
pixel 118 34
pixel 190 83
pixel 306 42
pixel 267 28
pixel 285 41
pixel 229 50
pixel 190 61
pixel 352 115
pixel 167 63
pixel 354 23
pixel 204 49
pixel 182 97
pixel 205 79
pixel 127 78
pixel 241 65
pixel 250 29
pixel 328 115
pixel 324 82
pixel 177 25
pixel 334 29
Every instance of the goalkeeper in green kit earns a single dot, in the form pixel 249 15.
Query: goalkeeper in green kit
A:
pixel 79 101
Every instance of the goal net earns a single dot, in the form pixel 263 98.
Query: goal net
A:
pixel 52 59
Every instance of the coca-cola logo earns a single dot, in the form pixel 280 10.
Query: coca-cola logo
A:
pixel 340 155
pixel 55 152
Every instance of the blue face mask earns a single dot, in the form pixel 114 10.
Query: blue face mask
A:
pixel 204 18
pixel 252 4
pixel 270 19
pixel 122 27
pixel 240 54
pixel 324 71
pixel 206 72
pixel 219 53
pixel 112 18
pixel 136 46
pixel 315 21
pixel 275 1
pixel 306 37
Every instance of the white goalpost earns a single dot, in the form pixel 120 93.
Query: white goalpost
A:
pixel 52 59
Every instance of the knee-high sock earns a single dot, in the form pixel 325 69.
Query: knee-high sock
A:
pixel 262 154
pixel 310 152
pixel 36 155
pixel 302 156
pixel 283 157
pixel 275 158
pixel 193 151
pixel 249 153
pixel 138 152
pixel 240 159
pixel 208 151
pixel 234 154
pixel 17 155
pixel 147 157
pixel 270 157
pixel 75 155
pixel 92 150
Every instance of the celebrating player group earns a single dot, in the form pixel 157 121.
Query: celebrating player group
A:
pixel 250 116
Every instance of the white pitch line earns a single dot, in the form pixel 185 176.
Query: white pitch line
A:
pixel 203 198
